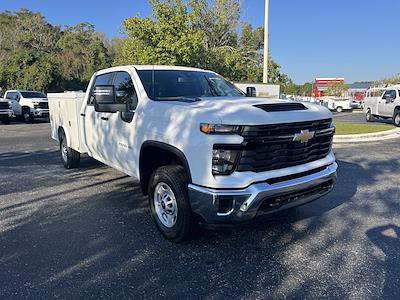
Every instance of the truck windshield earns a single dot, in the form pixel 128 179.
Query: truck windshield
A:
pixel 167 85
pixel 33 95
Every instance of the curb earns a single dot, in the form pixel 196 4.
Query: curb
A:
pixel 367 137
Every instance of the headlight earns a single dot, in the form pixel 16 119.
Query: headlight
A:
pixel 219 129
pixel 223 161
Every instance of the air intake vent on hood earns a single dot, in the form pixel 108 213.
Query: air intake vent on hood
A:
pixel 281 107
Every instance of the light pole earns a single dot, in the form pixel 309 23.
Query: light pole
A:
pixel 266 21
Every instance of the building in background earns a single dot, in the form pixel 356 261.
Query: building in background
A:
pixel 262 89
pixel 322 84
pixel 357 91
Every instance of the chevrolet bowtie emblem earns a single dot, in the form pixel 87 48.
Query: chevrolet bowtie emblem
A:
pixel 304 136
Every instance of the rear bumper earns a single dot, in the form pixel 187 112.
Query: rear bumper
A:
pixel 234 206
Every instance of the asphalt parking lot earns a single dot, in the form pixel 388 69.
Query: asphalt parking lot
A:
pixel 357 117
pixel 86 233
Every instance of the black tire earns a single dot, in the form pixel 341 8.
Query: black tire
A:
pixel 27 116
pixel 6 121
pixel 69 156
pixel 175 177
pixel 339 109
pixel 369 117
pixel 396 118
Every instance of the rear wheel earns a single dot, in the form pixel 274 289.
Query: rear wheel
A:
pixel 69 156
pixel 369 117
pixel 396 119
pixel 169 203
pixel 339 109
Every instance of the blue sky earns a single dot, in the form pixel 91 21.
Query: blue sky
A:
pixel 355 39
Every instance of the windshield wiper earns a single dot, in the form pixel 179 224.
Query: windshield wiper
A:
pixel 179 99
pixel 211 84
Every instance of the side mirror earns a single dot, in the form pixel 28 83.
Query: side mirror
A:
pixel 388 98
pixel 17 98
pixel 251 91
pixel 105 99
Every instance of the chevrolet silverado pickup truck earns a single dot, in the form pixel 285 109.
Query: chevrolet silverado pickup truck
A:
pixel 6 112
pixel 202 150
pixel 28 105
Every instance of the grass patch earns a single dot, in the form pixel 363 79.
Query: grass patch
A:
pixel 343 128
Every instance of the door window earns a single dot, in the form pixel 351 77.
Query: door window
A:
pixel 125 91
pixel 11 95
pixel 103 79
pixel 126 94
pixel 390 95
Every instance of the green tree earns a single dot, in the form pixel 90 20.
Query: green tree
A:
pixel 201 33
pixel 337 90
pixel 81 53
pixel 166 37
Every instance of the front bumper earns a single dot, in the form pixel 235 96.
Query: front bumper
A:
pixel 41 113
pixel 6 113
pixel 234 206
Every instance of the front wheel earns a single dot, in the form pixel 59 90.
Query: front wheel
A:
pixel 6 121
pixel 339 109
pixel 69 156
pixel 169 203
pixel 396 118
pixel 27 116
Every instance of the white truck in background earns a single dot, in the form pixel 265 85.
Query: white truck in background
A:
pixel 383 103
pixel 28 105
pixel 260 89
pixel 6 112
pixel 201 149
pixel 338 104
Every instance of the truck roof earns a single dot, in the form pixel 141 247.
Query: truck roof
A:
pixel 22 91
pixel 152 67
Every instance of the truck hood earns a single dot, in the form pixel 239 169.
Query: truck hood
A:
pixel 244 111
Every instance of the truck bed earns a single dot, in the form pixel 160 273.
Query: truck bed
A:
pixel 65 112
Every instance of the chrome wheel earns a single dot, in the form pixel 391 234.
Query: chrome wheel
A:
pixel 397 120
pixel 64 152
pixel 165 205
pixel 27 117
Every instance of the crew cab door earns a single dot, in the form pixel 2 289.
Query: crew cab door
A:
pixel 123 125
pixel 96 124
pixel 386 104
pixel 13 98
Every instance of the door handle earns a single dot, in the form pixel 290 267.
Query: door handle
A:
pixel 104 118
pixel 83 115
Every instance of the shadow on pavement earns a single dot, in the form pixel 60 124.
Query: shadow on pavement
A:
pixel 90 235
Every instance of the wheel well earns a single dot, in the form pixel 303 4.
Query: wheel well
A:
pixel 23 108
pixel 396 109
pixel 60 133
pixel 154 155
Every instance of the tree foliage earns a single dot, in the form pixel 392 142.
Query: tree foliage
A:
pixel 337 90
pixel 388 81
pixel 199 33
pixel 37 55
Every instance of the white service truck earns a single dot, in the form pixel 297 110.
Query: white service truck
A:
pixel 28 105
pixel 201 149
pixel 338 104
pixel 383 103
pixel 6 112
